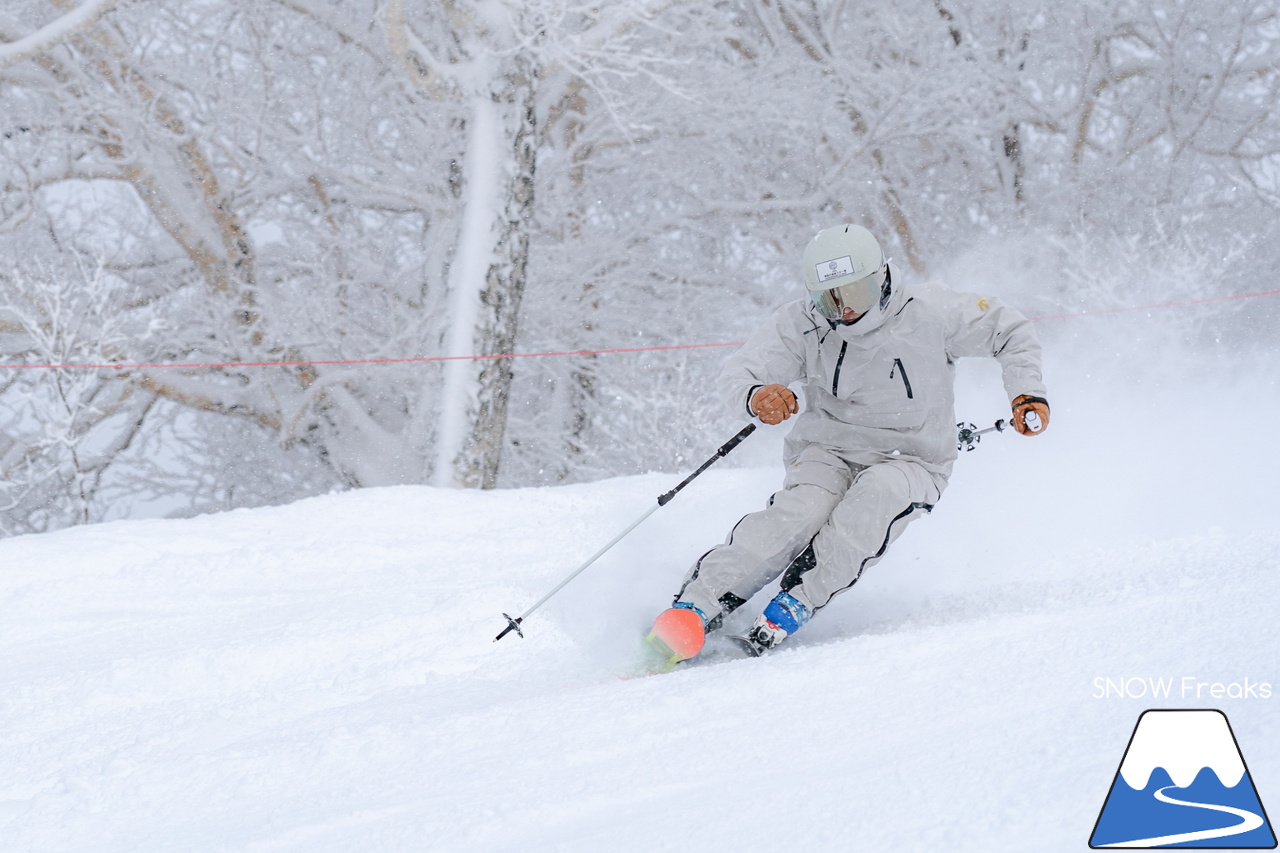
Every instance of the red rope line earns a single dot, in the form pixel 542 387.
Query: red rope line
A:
pixel 426 359
pixel 416 360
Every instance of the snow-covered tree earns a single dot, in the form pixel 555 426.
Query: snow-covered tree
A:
pixel 75 418
pixel 293 197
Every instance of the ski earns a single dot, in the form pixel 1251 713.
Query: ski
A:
pixel 721 648
pixel 745 644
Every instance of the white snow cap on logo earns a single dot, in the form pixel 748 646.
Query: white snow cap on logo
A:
pixel 835 268
pixel 1183 743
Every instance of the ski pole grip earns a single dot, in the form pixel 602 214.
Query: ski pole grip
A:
pixel 736 440
pixel 723 451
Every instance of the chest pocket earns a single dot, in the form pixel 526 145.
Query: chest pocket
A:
pixel 886 386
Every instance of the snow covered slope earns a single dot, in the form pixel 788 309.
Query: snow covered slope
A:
pixel 322 676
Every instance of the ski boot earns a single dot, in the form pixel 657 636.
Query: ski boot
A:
pixel 781 618
pixel 678 633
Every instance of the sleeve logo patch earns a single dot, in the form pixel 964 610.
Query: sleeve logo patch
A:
pixel 835 268
pixel 983 305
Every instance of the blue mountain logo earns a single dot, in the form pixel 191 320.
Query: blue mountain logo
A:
pixel 1183 783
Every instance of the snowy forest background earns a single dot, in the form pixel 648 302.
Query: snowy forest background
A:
pixel 247 181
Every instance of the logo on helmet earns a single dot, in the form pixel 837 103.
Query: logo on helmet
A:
pixel 834 268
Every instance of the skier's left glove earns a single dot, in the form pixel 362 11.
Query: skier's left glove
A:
pixel 1030 415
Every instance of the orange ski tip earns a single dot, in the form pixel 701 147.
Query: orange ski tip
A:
pixel 680 632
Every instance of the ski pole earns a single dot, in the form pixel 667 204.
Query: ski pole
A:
pixel 513 623
pixel 970 435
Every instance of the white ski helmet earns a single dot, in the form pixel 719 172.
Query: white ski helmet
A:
pixel 844 268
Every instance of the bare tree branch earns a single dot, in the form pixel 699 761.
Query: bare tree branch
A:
pixel 55 31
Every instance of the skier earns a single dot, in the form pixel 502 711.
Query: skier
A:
pixel 873 448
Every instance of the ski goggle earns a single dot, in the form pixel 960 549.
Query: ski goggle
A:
pixel 859 295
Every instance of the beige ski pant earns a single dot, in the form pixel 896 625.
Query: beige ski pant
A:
pixel 850 513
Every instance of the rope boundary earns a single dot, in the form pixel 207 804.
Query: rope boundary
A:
pixel 563 354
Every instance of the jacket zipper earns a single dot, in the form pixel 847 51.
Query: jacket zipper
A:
pixel 899 368
pixel 835 378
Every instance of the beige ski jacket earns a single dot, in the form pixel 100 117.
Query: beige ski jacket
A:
pixel 883 389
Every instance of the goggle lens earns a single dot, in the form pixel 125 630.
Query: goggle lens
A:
pixel 859 295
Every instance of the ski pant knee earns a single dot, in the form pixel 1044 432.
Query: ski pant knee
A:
pixel 873 513
pixel 762 544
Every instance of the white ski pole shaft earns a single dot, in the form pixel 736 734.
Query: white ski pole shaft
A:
pixel 970 435
pixel 513 623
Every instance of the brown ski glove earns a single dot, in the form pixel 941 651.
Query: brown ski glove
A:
pixel 773 404
pixel 1030 415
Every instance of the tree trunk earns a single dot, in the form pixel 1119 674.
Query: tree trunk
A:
pixel 486 281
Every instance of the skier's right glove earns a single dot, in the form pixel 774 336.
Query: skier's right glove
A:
pixel 773 404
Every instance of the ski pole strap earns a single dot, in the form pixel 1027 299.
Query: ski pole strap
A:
pixel 723 451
